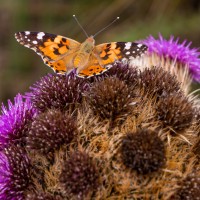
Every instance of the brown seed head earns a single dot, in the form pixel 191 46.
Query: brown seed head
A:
pixel 50 130
pixel 175 111
pixel 79 175
pixel 143 151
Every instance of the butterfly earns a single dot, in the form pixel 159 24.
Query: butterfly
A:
pixel 63 54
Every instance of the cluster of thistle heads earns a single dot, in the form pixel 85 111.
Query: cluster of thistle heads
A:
pixel 130 133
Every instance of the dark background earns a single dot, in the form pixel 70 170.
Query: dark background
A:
pixel 21 67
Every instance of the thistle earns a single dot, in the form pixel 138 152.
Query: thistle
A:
pixel 51 130
pixel 79 175
pixel 110 98
pixel 175 112
pixel 143 151
pixel 129 75
pixel 57 143
pixel 15 175
pixel 15 120
pixel 188 188
pixel 150 82
pixel 57 92
pixel 178 58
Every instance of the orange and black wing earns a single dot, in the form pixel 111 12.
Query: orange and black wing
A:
pixel 55 50
pixel 117 51
pixel 93 68
pixel 105 55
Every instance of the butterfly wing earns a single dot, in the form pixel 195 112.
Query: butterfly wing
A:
pixel 116 51
pixel 104 55
pixel 55 50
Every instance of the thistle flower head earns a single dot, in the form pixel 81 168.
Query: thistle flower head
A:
pixel 79 175
pixel 14 173
pixel 110 98
pixel 124 72
pixel 57 91
pixel 189 188
pixel 50 130
pixel 14 121
pixel 175 111
pixel 143 151
pixel 158 82
pixel 172 49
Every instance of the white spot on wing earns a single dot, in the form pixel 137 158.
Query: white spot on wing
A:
pixel 35 42
pixel 139 45
pixel 127 45
pixel 27 32
pixel 40 35
pixel 127 53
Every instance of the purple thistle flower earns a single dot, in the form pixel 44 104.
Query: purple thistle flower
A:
pixel 14 173
pixel 181 52
pixel 14 121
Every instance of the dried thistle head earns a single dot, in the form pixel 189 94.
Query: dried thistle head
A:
pixel 79 175
pixel 57 92
pixel 189 188
pixel 110 98
pixel 175 112
pixel 124 72
pixel 143 151
pixel 50 130
pixel 158 82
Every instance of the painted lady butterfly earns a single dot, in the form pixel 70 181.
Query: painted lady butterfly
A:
pixel 64 54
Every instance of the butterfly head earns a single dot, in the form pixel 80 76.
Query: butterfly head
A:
pixel 91 40
pixel 88 45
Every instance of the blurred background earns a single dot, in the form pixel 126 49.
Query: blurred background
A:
pixel 21 67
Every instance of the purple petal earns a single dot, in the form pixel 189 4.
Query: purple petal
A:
pixel 14 173
pixel 181 52
pixel 14 120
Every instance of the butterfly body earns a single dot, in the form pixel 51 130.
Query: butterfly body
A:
pixel 64 54
pixel 84 53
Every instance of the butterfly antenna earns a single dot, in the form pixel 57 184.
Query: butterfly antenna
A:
pixel 74 16
pixel 106 27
